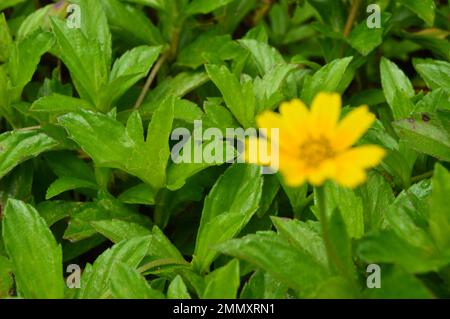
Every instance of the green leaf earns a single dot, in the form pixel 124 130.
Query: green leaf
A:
pixel 131 24
pixel 117 230
pixel 427 133
pixel 275 255
pixel 179 86
pixel 19 146
pixel 65 184
pixel 398 284
pixel 6 280
pixel 205 6
pixel 296 195
pixel 127 283
pixel 425 9
pixel 139 194
pixel 376 195
pixel 386 247
pixel 9 3
pixel 437 99
pixel 407 218
pixel 157 4
pixel 223 283
pixel 341 244
pixel 54 211
pixel 265 56
pixel 102 137
pixel 435 73
pixel 228 208
pixel 35 255
pixel 5 39
pixel 349 204
pixel 239 98
pixel 25 56
pixel 18 184
pixel 208 48
pixel 177 289
pixel 303 236
pixel 335 288
pixel 396 84
pixel 267 89
pixel 106 207
pixel 327 79
pixel 94 26
pixel 364 39
pixel 131 67
pixel 178 173
pixel 439 212
pixel 95 284
pixel 162 248
pixel 35 21
pixel 112 145
pixel 333 13
pixel 57 104
pixel 153 161
pixel 83 57
pixel 262 285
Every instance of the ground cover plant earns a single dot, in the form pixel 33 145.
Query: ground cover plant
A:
pixel 94 205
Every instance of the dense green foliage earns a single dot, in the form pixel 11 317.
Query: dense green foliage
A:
pixel 86 176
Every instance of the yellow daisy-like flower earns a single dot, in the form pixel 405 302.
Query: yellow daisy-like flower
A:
pixel 314 146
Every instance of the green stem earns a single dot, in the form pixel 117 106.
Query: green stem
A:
pixel 351 17
pixel 150 79
pixel 420 177
pixel 333 259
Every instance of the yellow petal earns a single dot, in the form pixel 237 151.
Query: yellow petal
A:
pixel 287 138
pixel 366 156
pixel 351 177
pixel 351 164
pixel 324 171
pixel 353 127
pixel 296 116
pixel 325 112
pixel 292 172
pixel 253 154
pixel 270 120
pixel 294 111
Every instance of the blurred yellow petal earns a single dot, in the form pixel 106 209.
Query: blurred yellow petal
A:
pixel 352 164
pixel 294 111
pixel 257 151
pixel 270 120
pixel 286 136
pixel 319 175
pixel 350 177
pixel 293 173
pixel 366 156
pixel 353 127
pixel 325 112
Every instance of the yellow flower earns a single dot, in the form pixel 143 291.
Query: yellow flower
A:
pixel 314 146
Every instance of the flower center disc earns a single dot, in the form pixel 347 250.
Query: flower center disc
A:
pixel 316 151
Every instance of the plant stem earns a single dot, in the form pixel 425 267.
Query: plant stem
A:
pixel 351 17
pixel 169 53
pixel 262 12
pixel 26 129
pixel 420 177
pixel 150 79
pixel 333 259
